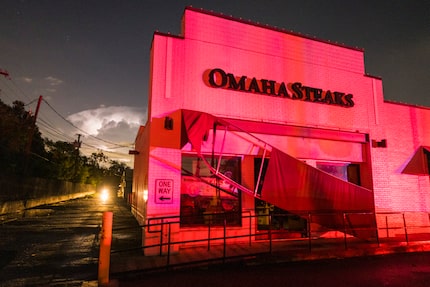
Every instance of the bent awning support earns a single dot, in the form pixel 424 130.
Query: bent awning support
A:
pixel 291 184
pixel 297 187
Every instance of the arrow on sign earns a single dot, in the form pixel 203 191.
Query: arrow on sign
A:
pixel 164 198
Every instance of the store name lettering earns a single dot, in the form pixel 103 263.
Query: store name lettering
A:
pixel 217 78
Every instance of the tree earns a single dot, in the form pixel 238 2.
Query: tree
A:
pixel 16 125
pixel 96 169
pixel 46 158
pixel 62 155
pixel 116 168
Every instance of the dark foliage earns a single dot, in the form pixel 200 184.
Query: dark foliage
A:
pixel 38 157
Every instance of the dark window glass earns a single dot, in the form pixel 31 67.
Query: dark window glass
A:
pixel 206 199
pixel 347 171
pixel 282 223
pixel 339 170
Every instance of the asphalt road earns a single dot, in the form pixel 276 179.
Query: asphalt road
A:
pixel 56 245
pixel 395 270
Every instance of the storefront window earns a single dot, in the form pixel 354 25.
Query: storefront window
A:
pixel 347 171
pixel 206 199
pixel 337 169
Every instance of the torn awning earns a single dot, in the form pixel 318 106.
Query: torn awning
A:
pixel 197 125
pixel 418 165
pixel 297 187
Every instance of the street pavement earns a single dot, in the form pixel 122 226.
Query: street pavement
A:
pixel 390 270
pixel 58 244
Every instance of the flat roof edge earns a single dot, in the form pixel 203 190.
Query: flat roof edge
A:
pixel 277 29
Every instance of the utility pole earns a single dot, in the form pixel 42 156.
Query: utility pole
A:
pixel 30 136
pixel 77 145
pixel 33 126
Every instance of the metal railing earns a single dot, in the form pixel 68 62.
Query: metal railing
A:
pixel 395 224
pixel 396 228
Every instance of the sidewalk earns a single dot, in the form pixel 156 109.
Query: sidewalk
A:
pixel 255 254
pixel 132 262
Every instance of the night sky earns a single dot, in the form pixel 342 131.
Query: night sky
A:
pixel 89 59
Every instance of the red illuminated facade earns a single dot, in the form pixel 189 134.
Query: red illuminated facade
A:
pixel 244 118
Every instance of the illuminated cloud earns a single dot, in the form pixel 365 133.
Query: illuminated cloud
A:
pixel 27 80
pixel 118 124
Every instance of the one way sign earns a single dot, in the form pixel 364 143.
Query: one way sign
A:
pixel 164 191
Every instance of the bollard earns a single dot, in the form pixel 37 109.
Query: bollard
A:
pixel 105 245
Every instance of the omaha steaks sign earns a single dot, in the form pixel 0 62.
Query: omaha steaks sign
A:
pixel 296 91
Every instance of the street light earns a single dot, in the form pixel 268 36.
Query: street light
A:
pixel 104 195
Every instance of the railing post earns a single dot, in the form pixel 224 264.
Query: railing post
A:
pixel 105 247
pixel 386 226
pixel 344 230
pixel 161 236
pixel 168 244
pixel 209 233
pixel 376 229
pixel 428 214
pixel 309 231
pixel 225 241
pixel 270 233
pixel 250 228
pixel 406 229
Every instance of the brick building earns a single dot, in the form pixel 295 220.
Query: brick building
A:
pixel 246 119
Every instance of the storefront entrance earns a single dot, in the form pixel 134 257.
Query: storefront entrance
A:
pixel 282 223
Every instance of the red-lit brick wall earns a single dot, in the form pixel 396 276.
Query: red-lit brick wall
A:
pixel 179 69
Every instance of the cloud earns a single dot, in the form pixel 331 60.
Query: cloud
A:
pixel 27 80
pixel 111 130
pixel 118 124
pixel 53 81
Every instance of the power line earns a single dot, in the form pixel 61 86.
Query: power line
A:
pixel 46 126
pixel 15 89
pixel 14 92
pixel 103 149
pixel 31 102
pixel 97 138
pixel 8 91
pixel 41 157
pixel 55 133
pixel 19 89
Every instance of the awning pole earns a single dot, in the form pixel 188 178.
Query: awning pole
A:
pixel 260 172
pixel 221 151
